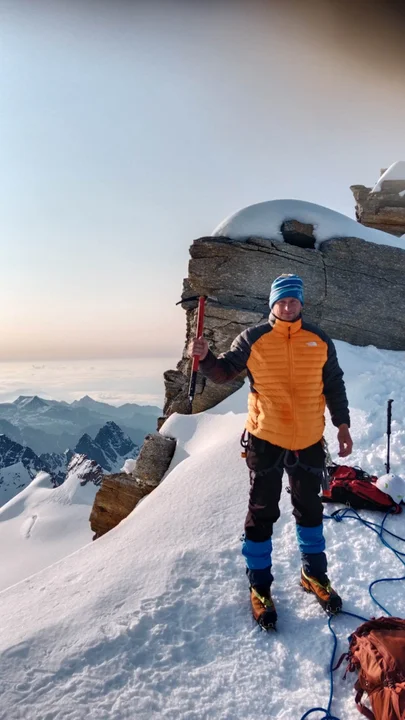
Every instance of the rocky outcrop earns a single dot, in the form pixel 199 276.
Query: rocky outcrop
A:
pixel 154 460
pixel 117 497
pixel 353 288
pixel 298 233
pixel 384 208
pixel 120 493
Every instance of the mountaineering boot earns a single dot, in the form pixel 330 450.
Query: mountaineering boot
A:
pixel 263 608
pixel 327 597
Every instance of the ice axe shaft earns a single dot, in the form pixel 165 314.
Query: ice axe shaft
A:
pixel 389 418
pixel 196 358
pixel 202 300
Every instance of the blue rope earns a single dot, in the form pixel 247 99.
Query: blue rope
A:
pixel 379 529
pixel 327 715
pixel 327 712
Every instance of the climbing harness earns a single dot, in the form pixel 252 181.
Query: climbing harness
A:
pixel 288 460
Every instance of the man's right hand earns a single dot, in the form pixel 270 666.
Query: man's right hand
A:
pixel 199 347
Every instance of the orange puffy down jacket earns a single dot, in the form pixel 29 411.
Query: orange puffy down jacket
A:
pixel 293 372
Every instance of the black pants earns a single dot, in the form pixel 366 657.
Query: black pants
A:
pixel 266 486
pixel 266 463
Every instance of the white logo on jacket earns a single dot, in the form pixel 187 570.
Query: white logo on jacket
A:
pixel 312 344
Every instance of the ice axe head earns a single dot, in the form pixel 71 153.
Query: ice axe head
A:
pixel 192 298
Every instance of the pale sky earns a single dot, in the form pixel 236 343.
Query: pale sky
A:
pixel 127 129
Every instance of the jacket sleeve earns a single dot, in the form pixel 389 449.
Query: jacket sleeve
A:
pixel 228 365
pixel 334 388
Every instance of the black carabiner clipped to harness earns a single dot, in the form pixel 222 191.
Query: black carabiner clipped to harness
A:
pixel 244 443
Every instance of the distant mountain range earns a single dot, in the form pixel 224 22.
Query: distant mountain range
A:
pixel 80 429
pixel 51 426
pixel 19 464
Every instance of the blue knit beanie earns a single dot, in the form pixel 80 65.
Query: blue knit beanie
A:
pixel 286 286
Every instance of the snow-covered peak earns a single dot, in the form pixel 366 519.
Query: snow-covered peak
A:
pixel 88 402
pixel 111 435
pixel 110 448
pixel 32 403
pixel 85 469
pixel 88 447
pixel 115 443
pixel 13 478
pixel 395 172
pixel 264 220
pixel 86 399
pixel 18 466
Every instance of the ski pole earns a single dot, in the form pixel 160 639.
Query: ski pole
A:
pixel 389 418
pixel 196 358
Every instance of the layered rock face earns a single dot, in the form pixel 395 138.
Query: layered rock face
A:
pixel 117 497
pixel 354 289
pixel 120 493
pixel 384 208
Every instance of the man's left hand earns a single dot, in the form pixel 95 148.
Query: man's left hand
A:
pixel 345 441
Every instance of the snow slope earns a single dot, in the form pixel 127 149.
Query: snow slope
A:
pixel 264 220
pixel 41 525
pixel 13 479
pixel 152 620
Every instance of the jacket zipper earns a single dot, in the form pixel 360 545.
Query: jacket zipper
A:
pixel 290 355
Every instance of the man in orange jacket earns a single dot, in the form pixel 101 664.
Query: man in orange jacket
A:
pixel 293 373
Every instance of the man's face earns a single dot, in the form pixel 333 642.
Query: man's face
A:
pixel 287 309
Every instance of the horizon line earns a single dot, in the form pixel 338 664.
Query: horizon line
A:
pixel 87 358
pixel 101 402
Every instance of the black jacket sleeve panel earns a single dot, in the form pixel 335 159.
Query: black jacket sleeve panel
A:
pixel 334 388
pixel 228 365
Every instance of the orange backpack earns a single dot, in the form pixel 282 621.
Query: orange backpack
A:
pixel 377 652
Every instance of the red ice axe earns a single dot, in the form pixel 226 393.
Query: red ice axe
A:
pixel 196 358
pixel 202 299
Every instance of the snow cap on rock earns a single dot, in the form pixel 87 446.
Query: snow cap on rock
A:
pixel 286 286
pixel 392 485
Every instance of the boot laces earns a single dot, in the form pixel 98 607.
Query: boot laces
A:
pixel 325 584
pixel 266 601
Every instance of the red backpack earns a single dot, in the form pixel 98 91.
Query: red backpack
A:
pixel 355 488
pixel 377 652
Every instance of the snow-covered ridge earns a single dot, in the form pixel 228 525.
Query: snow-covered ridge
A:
pixel 42 524
pixel 18 466
pixel 153 619
pixel 264 220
